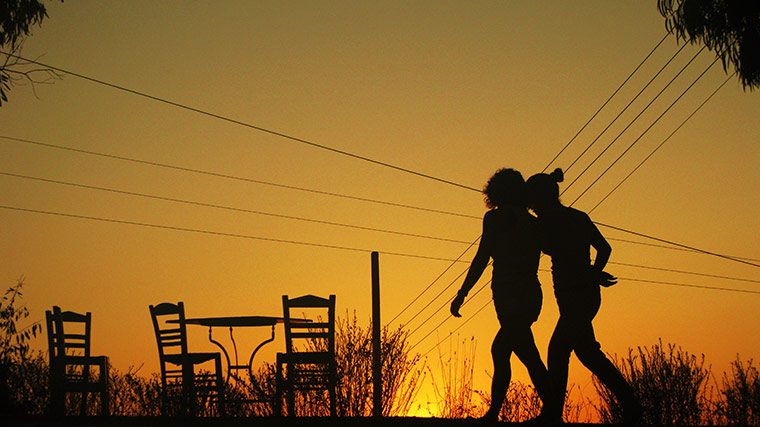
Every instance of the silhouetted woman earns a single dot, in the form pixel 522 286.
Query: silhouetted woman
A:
pixel 510 237
pixel 567 235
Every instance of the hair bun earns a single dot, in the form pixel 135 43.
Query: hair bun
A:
pixel 558 175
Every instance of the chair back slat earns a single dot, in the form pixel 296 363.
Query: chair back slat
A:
pixel 171 338
pixel 61 339
pixel 310 325
pixel 309 301
pixel 318 334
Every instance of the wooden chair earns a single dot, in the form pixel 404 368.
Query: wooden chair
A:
pixel 309 359
pixel 71 362
pixel 179 379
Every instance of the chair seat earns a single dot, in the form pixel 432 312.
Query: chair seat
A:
pixel 192 358
pixel 83 360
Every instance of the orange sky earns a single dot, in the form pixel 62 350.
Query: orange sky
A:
pixel 451 89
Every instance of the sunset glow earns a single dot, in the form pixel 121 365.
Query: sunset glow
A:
pixel 453 90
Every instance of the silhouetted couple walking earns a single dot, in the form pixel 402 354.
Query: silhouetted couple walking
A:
pixel 514 239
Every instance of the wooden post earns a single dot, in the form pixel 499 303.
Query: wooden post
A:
pixel 377 372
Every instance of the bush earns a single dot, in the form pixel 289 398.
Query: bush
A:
pixel 740 403
pixel 671 383
pixel 353 354
pixel 14 353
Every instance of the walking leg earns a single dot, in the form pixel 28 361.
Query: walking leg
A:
pixel 502 373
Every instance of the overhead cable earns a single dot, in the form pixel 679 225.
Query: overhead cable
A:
pixel 215 233
pixel 588 147
pixel 241 123
pixel 740 260
pixel 232 177
pixel 453 262
pixel 231 208
pixel 662 143
pixel 309 190
pixel 632 121
pixel 645 132
pixel 605 102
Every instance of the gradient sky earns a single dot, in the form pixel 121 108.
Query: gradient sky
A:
pixel 451 89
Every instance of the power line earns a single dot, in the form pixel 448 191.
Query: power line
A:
pixel 674 248
pixel 663 142
pixel 232 177
pixel 337 247
pixel 633 121
pixel 606 102
pixel 546 270
pixel 670 270
pixel 445 319
pixel 690 285
pixel 457 328
pixel 244 124
pixel 215 233
pixel 326 193
pixel 628 279
pixel 645 131
pixel 456 279
pixel 625 108
pixel 231 208
pixel 680 245
pixel 453 262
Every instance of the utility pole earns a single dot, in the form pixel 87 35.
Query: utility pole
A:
pixel 377 368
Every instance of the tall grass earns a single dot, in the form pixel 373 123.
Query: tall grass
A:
pixel 454 392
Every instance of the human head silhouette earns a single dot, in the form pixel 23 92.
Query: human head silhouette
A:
pixel 543 191
pixel 505 188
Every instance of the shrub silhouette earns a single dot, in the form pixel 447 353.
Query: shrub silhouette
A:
pixel 671 383
pixel 14 351
pixel 353 352
pixel 740 404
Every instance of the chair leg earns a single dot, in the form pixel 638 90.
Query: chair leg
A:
pixel 333 412
pixel 220 388
pixel 188 391
pixel 291 398
pixel 57 405
pixel 278 392
pixel 83 401
pixel 164 399
pixel 105 401
pixel 332 384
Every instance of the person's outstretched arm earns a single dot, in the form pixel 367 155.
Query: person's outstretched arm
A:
pixel 477 266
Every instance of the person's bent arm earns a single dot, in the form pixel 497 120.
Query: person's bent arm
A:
pixel 603 252
pixel 477 266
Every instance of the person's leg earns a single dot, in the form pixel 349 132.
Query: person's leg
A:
pixel 501 353
pixel 558 361
pixel 588 350
pixel 525 349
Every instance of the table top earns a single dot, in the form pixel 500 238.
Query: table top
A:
pixel 244 321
